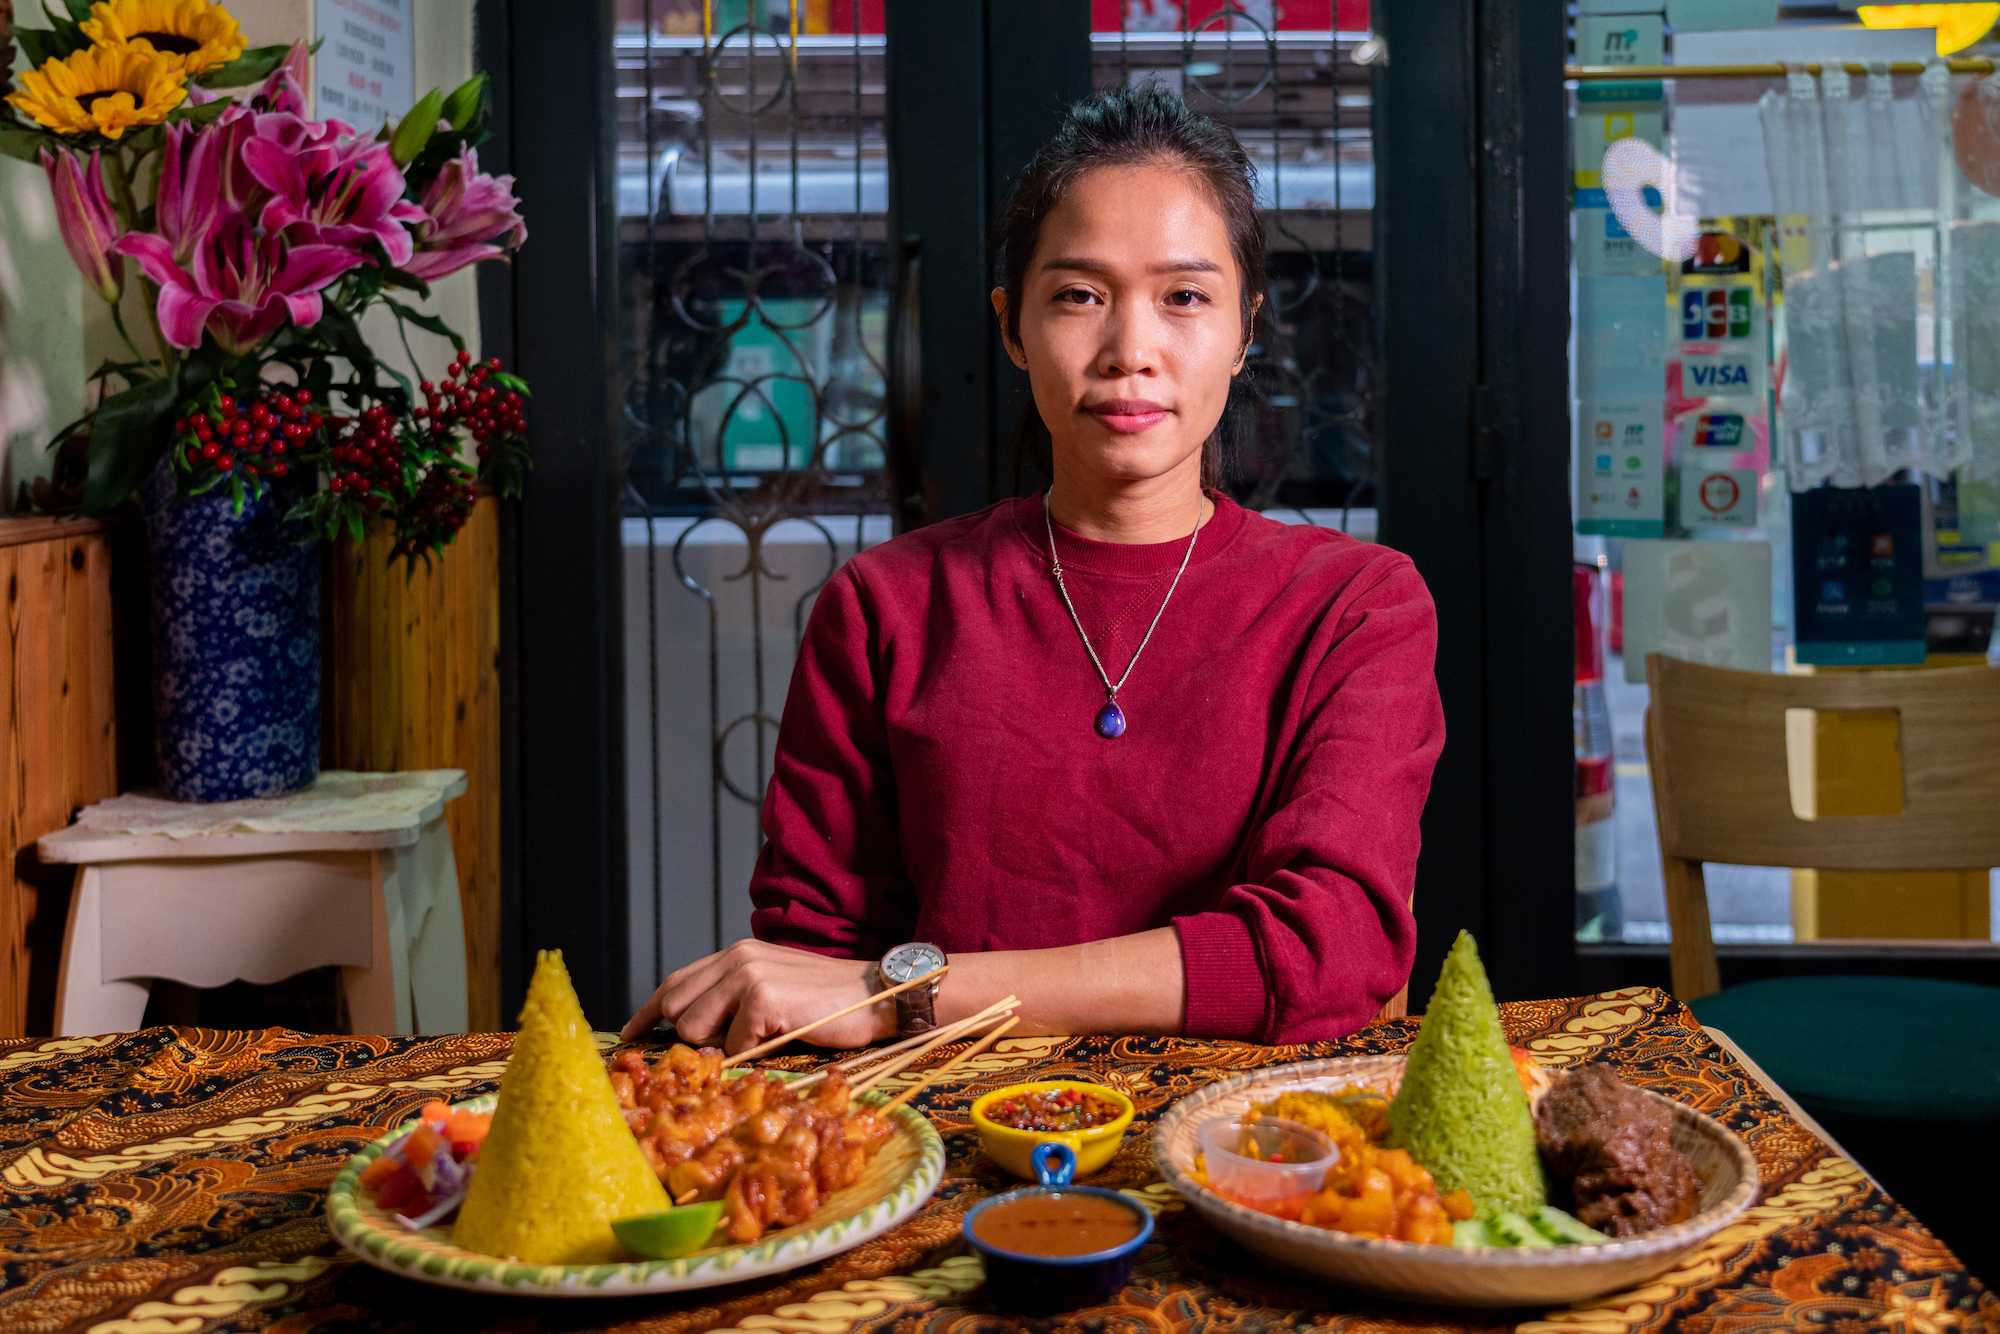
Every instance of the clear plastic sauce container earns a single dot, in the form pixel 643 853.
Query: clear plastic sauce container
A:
pixel 1268 1163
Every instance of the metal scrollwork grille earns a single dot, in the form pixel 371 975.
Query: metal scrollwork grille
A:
pixel 753 202
pixel 1300 105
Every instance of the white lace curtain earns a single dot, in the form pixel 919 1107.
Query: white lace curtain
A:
pixel 1855 408
pixel 1972 283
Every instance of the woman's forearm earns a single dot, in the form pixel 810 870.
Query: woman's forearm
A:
pixel 1127 984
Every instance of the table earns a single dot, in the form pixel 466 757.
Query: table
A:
pixel 355 870
pixel 172 1180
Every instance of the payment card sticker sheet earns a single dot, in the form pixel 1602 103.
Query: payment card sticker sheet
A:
pixel 1619 473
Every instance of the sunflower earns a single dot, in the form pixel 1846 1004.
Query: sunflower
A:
pixel 194 35
pixel 109 89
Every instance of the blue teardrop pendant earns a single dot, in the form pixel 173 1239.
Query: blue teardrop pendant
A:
pixel 1110 721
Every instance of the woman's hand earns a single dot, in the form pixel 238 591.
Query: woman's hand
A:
pixel 754 990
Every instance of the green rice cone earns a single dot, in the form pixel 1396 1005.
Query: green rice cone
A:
pixel 1461 1111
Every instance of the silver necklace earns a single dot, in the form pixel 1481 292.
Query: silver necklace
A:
pixel 1110 720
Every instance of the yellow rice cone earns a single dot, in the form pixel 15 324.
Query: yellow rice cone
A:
pixel 559 1163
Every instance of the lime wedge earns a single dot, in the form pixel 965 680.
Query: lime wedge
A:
pixel 670 1232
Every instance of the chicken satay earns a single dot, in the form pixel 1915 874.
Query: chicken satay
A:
pixel 707 1175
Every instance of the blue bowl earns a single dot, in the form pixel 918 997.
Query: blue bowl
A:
pixel 1042 1284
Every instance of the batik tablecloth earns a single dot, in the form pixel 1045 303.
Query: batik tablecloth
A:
pixel 172 1182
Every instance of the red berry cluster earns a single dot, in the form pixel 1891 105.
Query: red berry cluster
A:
pixel 253 433
pixel 366 460
pixel 444 497
pixel 470 402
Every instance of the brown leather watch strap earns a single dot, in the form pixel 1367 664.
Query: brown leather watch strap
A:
pixel 916 1011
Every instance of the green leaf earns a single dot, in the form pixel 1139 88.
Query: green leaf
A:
pixel 66 28
pixel 128 436
pixel 429 323
pixel 27 145
pixel 467 100
pixel 130 371
pixel 201 115
pixel 78 9
pixel 513 382
pixel 43 45
pixel 253 66
pixel 407 282
pixel 417 128
pixel 142 142
pixel 442 149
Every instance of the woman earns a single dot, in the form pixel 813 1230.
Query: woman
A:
pixel 1147 760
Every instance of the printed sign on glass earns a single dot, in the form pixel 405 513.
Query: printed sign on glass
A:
pixel 1858 575
pixel 1620 39
pixel 1706 602
pixel 1603 247
pixel 363 71
pixel 1612 110
pixel 1618 470
pixel 1718 497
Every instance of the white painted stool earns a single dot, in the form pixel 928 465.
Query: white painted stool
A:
pixel 355 870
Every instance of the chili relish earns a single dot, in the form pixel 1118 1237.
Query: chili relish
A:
pixel 1054 1110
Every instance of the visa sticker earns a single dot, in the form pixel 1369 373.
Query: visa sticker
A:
pixel 1720 374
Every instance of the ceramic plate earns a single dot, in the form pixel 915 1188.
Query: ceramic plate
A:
pixel 1443 1275
pixel 898 1179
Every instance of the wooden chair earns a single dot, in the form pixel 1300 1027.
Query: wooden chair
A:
pixel 1903 1071
pixel 1715 743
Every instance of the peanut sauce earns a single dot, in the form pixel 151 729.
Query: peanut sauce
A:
pixel 1051 1223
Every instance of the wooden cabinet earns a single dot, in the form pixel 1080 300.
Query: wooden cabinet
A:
pixel 58 739
pixel 410 680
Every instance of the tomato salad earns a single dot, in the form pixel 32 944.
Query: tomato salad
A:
pixel 423 1175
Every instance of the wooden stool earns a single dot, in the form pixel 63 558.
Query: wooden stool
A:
pixel 260 891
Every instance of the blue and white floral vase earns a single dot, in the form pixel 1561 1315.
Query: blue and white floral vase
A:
pixel 236 644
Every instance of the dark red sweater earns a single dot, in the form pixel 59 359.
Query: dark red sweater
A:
pixel 937 776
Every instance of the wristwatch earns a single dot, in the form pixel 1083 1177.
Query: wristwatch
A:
pixel 916 1009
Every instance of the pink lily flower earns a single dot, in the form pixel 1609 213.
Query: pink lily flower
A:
pixel 241 286
pixel 275 113
pixel 90 227
pixel 194 166
pixel 467 213
pixel 283 89
pixel 335 194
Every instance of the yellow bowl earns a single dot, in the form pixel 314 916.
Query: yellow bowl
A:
pixel 1012 1149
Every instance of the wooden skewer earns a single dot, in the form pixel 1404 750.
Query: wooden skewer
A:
pixel 932 1042
pixel 867 1058
pixel 933 1076
pixel 764 1048
pixel 876 1054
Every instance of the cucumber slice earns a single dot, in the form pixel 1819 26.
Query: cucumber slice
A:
pixel 670 1233
pixel 1564 1230
pixel 1470 1234
pixel 1510 1229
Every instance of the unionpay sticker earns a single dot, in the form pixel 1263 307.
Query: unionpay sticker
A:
pixel 1718 497
pixel 1720 427
pixel 1619 470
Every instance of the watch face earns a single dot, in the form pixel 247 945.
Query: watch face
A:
pixel 914 960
